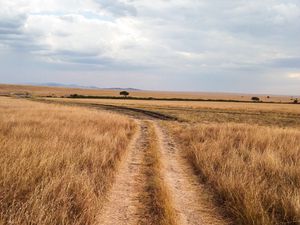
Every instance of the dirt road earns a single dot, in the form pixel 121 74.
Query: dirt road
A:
pixel 130 200
pixel 189 200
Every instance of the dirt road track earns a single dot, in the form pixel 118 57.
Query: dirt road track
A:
pixel 189 198
pixel 133 112
pixel 124 205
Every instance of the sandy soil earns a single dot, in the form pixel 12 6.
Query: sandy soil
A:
pixel 123 202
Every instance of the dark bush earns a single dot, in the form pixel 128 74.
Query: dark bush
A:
pixel 124 93
pixel 74 96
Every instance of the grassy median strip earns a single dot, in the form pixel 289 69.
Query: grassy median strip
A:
pixel 158 205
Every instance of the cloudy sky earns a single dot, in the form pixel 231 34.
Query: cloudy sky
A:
pixel 187 45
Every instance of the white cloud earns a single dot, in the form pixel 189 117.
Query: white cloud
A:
pixel 287 12
pixel 117 7
pixel 185 37
pixel 294 75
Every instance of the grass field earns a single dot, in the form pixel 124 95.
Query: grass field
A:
pixel 284 115
pixel 74 161
pixel 253 171
pixel 60 91
pixel 57 162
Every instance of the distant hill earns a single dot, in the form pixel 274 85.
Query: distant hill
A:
pixel 117 88
pixel 53 84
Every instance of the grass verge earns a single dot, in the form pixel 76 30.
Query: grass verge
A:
pixel 253 171
pixel 57 162
pixel 157 201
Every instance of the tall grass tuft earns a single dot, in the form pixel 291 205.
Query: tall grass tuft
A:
pixel 254 171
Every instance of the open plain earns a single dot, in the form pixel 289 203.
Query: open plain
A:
pixel 138 112
pixel 125 161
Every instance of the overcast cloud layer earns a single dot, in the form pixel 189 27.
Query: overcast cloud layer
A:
pixel 200 45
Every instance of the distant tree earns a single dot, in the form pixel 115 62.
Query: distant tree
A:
pixel 268 96
pixel 296 101
pixel 256 99
pixel 27 95
pixel 124 93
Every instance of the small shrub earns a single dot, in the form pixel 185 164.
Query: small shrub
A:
pixel 74 96
pixel 124 93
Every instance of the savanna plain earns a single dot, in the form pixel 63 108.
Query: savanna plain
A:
pixel 125 161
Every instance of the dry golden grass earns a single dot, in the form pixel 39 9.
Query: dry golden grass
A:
pixel 190 105
pixel 284 115
pixel 60 91
pixel 157 198
pixel 254 171
pixel 57 162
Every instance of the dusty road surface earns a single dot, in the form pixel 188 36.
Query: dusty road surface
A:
pixel 124 198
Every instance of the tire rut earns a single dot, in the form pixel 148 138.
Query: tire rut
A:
pixel 136 113
pixel 123 204
pixel 192 206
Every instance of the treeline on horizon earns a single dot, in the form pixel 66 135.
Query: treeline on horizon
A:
pixel 251 100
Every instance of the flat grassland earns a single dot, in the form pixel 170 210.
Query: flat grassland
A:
pixel 240 162
pixel 44 91
pixel 248 154
pixel 57 162
pixel 284 115
pixel 254 171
